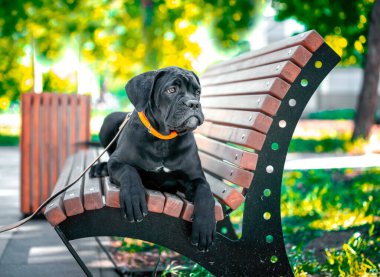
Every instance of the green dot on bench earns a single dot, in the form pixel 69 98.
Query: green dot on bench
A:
pixel 304 82
pixel 269 238
pixel 275 146
pixel 273 259
pixel 267 192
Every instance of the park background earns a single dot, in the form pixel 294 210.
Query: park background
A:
pixel 330 214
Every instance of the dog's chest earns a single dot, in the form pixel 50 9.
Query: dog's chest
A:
pixel 162 153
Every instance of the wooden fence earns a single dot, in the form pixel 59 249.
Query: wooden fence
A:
pixel 51 125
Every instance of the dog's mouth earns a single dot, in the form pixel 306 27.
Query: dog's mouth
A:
pixel 189 124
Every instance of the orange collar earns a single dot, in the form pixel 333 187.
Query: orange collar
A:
pixel 153 131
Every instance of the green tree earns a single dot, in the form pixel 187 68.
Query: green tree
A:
pixel 351 29
pixel 122 38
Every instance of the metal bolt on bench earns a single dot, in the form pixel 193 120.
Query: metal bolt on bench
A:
pixel 252 104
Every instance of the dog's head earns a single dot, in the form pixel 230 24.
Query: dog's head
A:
pixel 172 93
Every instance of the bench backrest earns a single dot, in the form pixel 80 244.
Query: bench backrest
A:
pixel 240 97
pixel 52 124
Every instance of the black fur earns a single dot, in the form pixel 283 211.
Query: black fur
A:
pixel 139 159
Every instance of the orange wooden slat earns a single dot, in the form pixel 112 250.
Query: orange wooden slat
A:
pixel 63 149
pixel 155 201
pixel 73 122
pixel 240 136
pixel 188 210
pixel 273 86
pixel 311 40
pixel 55 212
pixel 92 194
pixel 173 205
pixel 263 103
pixel 25 143
pixel 246 119
pixel 54 160
pixel 296 54
pixel 226 171
pixel 226 194
pixel 84 118
pixel 73 198
pixel 36 107
pixel 45 169
pixel 239 157
pixel 286 70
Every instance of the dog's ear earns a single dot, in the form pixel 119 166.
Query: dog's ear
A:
pixel 140 88
pixel 196 77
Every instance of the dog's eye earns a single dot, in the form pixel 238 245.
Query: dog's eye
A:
pixel 171 90
pixel 198 92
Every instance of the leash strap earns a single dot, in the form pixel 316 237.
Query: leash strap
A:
pixel 43 205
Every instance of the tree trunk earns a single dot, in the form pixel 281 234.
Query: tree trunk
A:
pixel 367 102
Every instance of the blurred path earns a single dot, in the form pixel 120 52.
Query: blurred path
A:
pixel 326 161
pixel 35 249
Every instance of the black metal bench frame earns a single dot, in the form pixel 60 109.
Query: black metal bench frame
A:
pixel 260 250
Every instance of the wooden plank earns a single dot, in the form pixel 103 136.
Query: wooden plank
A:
pixel 54 211
pixel 73 121
pixel 92 194
pixel 240 136
pixel 73 198
pixel 311 40
pixel 84 118
pixel 45 169
pixel 173 205
pixel 36 144
pixel 54 161
pixel 286 70
pixel 111 194
pixel 188 210
pixel 296 54
pixel 25 144
pixel 262 103
pixel 245 119
pixel 236 175
pixel 226 194
pixel 155 201
pixel 239 157
pixel 273 86
pixel 63 149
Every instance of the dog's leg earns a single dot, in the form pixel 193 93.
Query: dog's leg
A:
pixel 132 193
pixel 107 132
pixel 204 224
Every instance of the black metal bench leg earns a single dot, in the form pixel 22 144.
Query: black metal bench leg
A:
pixel 73 252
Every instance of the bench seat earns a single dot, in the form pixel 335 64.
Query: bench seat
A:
pixel 97 193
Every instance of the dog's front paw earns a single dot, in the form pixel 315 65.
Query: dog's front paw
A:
pixel 99 170
pixel 203 229
pixel 133 202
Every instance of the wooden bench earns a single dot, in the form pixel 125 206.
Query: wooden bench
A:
pixel 252 104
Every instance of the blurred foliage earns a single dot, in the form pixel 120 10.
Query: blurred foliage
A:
pixel 343 24
pixel 117 38
pixel 9 140
pixel 347 114
pixel 53 83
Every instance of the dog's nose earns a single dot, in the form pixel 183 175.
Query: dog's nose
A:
pixel 193 104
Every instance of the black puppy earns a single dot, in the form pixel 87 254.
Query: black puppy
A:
pixel 162 154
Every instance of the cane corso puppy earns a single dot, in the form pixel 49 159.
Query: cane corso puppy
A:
pixel 169 98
